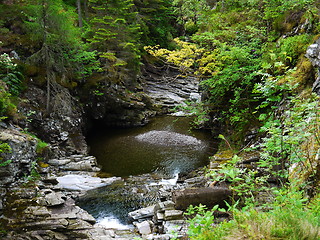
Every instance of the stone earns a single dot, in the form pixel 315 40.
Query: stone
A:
pixel 50 224
pixel 159 217
pixel 78 224
pixel 59 162
pixel 144 227
pixel 50 179
pixel 167 138
pixel 160 237
pixel 173 226
pixel 142 213
pixel 82 182
pixel 54 199
pixel 313 54
pixel 206 196
pixel 40 211
pixel 79 166
pixel 162 206
pixel 173 215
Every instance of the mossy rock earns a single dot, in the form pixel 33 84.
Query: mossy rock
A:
pixel 224 155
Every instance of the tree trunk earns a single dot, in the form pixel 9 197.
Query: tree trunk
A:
pixel 46 53
pixel 85 6
pixel 79 13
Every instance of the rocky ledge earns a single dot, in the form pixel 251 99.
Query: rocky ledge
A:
pixel 41 204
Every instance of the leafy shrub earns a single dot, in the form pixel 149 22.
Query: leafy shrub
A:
pixel 7 108
pixel 293 47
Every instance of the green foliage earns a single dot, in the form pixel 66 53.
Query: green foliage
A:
pixel 34 174
pixel 61 51
pixel 293 47
pixel 275 8
pixel 292 140
pixel 7 107
pixel 41 145
pixel 184 56
pixel 115 33
pixel 189 13
pixel 10 75
pixel 4 148
pixel 290 217
pixel 155 19
pixel 201 223
pixel 10 86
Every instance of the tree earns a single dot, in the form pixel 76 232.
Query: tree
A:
pixel 157 21
pixel 61 52
pixel 115 33
pixel 189 12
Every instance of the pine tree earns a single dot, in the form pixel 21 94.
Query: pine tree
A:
pixel 115 34
pixel 61 53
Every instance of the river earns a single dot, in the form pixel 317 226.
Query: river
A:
pixel 166 145
pixel 146 158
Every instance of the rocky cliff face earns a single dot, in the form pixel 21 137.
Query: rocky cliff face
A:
pixel 117 106
pixel 21 156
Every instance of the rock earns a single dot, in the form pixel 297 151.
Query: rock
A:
pixel 22 154
pixel 50 179
pixel 142 213
pixel 159 217
pixel 167 138
pixel 79 166
pixel 37 211
pixel 160 237
pixel 313 54
pixel 59 162
pixel 196 181
pixel 160 209
pixel 54 199
pixel 81 182
pixel 173 226
pixel 173 215
pixel 162 206
pixel 144 227
pixel 78 224
pixel 206 196
pixel 168 90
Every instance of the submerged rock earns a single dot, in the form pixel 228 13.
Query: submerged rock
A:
pixel 168 138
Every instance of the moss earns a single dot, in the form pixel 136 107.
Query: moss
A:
pixel 43 165
pixel 223 155
pixel 104 175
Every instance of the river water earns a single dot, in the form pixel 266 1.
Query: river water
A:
pixel 165 145
pixel 145 157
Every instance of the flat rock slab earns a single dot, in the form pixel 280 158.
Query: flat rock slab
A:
pixel 142 213
pixel 83 182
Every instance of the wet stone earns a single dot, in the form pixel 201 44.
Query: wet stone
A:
pixel 142 213
pixel 173 215
pixel 54 199
pixel 144 227
pixel 173 226
pixel 59 162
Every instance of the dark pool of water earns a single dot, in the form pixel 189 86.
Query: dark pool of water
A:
pixel 165 145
